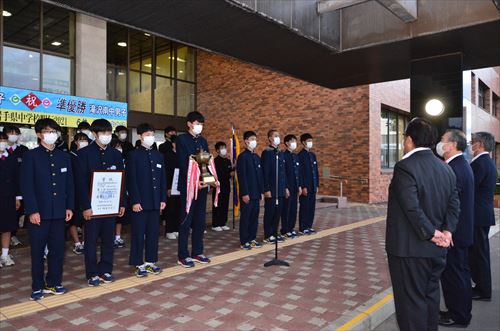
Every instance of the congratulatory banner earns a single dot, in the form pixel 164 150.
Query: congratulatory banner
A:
pixel 27 106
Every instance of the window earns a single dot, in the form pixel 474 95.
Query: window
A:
pixel 392 126
pixel 27 63
pixel 494 105
pixel 483 96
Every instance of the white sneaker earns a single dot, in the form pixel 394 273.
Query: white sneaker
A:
pixel 176 234
pixel 225 228
pixel 217 229
pixel 171 236
pixel 14 241
pixel 6 260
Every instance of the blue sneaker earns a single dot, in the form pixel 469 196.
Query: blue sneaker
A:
pixel 312 231
pixel 280 238
pixel 153 268
pixel 57 290
pixel 255 244
pixel 306 231
pixel 94 281
pixel 36 295
pixel 186 263
pixel 106 278
pixel 201 259
pixel 294 233
pixel 141 272
pixel 246 246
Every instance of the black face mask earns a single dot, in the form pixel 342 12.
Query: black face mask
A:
pixel 173 138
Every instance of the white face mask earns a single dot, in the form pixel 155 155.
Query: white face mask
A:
pixel 149 141
pixel 197 128
pixel 440 148
pixel 83 144
pixel 123 136
pixel 276 140
pixel 13 138
pixel 3 146
pixel 105 139
pixel 88 133
pixel 223 152
pixel 293 145
pixel 50 138
pixel 252 144
pixel 309 144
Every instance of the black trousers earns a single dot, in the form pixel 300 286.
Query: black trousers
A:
pixel 479 260
pixel 195 221
pixel 145 230
pixel 415 283
pixel 219 213
pixel 249 220
pixel 172 214
pixel 455 281
pixel 103 229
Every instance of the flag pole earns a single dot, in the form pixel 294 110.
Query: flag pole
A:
pixel 233 146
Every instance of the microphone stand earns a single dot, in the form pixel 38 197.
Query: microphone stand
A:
pixel 276 261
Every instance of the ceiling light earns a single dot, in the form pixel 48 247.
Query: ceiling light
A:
pixel 147 34
pixel 148 65
pixel 6 13
pixel 56 43
pixel 121 73
pixel 122 44
pixel 180 71
pixel 434 107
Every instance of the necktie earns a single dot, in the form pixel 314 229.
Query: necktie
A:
pixel 10 150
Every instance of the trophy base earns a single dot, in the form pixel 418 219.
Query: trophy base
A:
pixel 209 180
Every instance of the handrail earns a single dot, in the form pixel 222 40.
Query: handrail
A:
pixel 345 179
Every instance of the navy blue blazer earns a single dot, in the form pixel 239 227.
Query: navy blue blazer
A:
pixel 94 158
pixel 47 183
pixel 9 178
pixel 187 145
pixel 464 234
pixel 309 170
pixel 485 178
pixel 146 179
pixel 249 172
pixel 292 169
pixel 268 158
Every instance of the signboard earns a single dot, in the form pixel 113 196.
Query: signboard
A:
pixel 28 106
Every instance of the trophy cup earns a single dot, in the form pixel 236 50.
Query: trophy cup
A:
pixel 203 159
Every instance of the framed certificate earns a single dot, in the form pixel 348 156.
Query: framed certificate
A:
pixel 106 188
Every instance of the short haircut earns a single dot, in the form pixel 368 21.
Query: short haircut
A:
pixel 195 116
pixel 169 128
pixel 120 128
pixel 8 128
pixel 422 132
pixel 83 126
pixel 249 134
pixel 289 137
pixel 486 139
pixel 44 123
pixel 80 136
pixel 458 137
pixel 144 127
pixel 305 136
pixel 270 133
pixel 101 125
pixel 3 136
pixel 220 144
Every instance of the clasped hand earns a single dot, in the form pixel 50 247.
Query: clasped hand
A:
pixel 442 239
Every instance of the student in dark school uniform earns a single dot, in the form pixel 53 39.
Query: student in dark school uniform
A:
pixel 224 170
pixel 172 212
pixel 293 183
pixel 310 183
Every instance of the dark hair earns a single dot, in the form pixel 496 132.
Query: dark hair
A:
pixel 101 125
pixel 80 136
pixel 248 134
pixel 195 116
pixel 219 144
pixel 169 128
pixel 120 128
pixel 114 141
pixel 270 133
pixel 83 126
pixel 422 132
pixel 11 128
pixel 305 136
pixel 289 137
pixel 486 139
pixel 458 137
pixel 3 136
pixel 44 123
pixel 144 127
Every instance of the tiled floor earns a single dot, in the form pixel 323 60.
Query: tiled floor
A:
pixel 328 276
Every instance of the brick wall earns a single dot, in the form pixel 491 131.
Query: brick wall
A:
pixel 231 92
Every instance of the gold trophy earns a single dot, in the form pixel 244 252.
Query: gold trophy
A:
pixel 203 159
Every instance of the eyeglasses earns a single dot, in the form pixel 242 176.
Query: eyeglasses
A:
pixel 49 131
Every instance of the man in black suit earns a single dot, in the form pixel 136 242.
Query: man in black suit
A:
pixel 422 213
pixel 485 177
pixel 455 280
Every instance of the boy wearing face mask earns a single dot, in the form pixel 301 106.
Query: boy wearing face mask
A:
pixel 293 183
pixel 147 188
pixel 224 170
pixel 9 199
pixel 251 190
pixel 275 190
pixel 96 157
pixel 48 192
pixel 310 183
pixel 80 140
pixel 116 143
pixel 122 134
pixel 187 145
